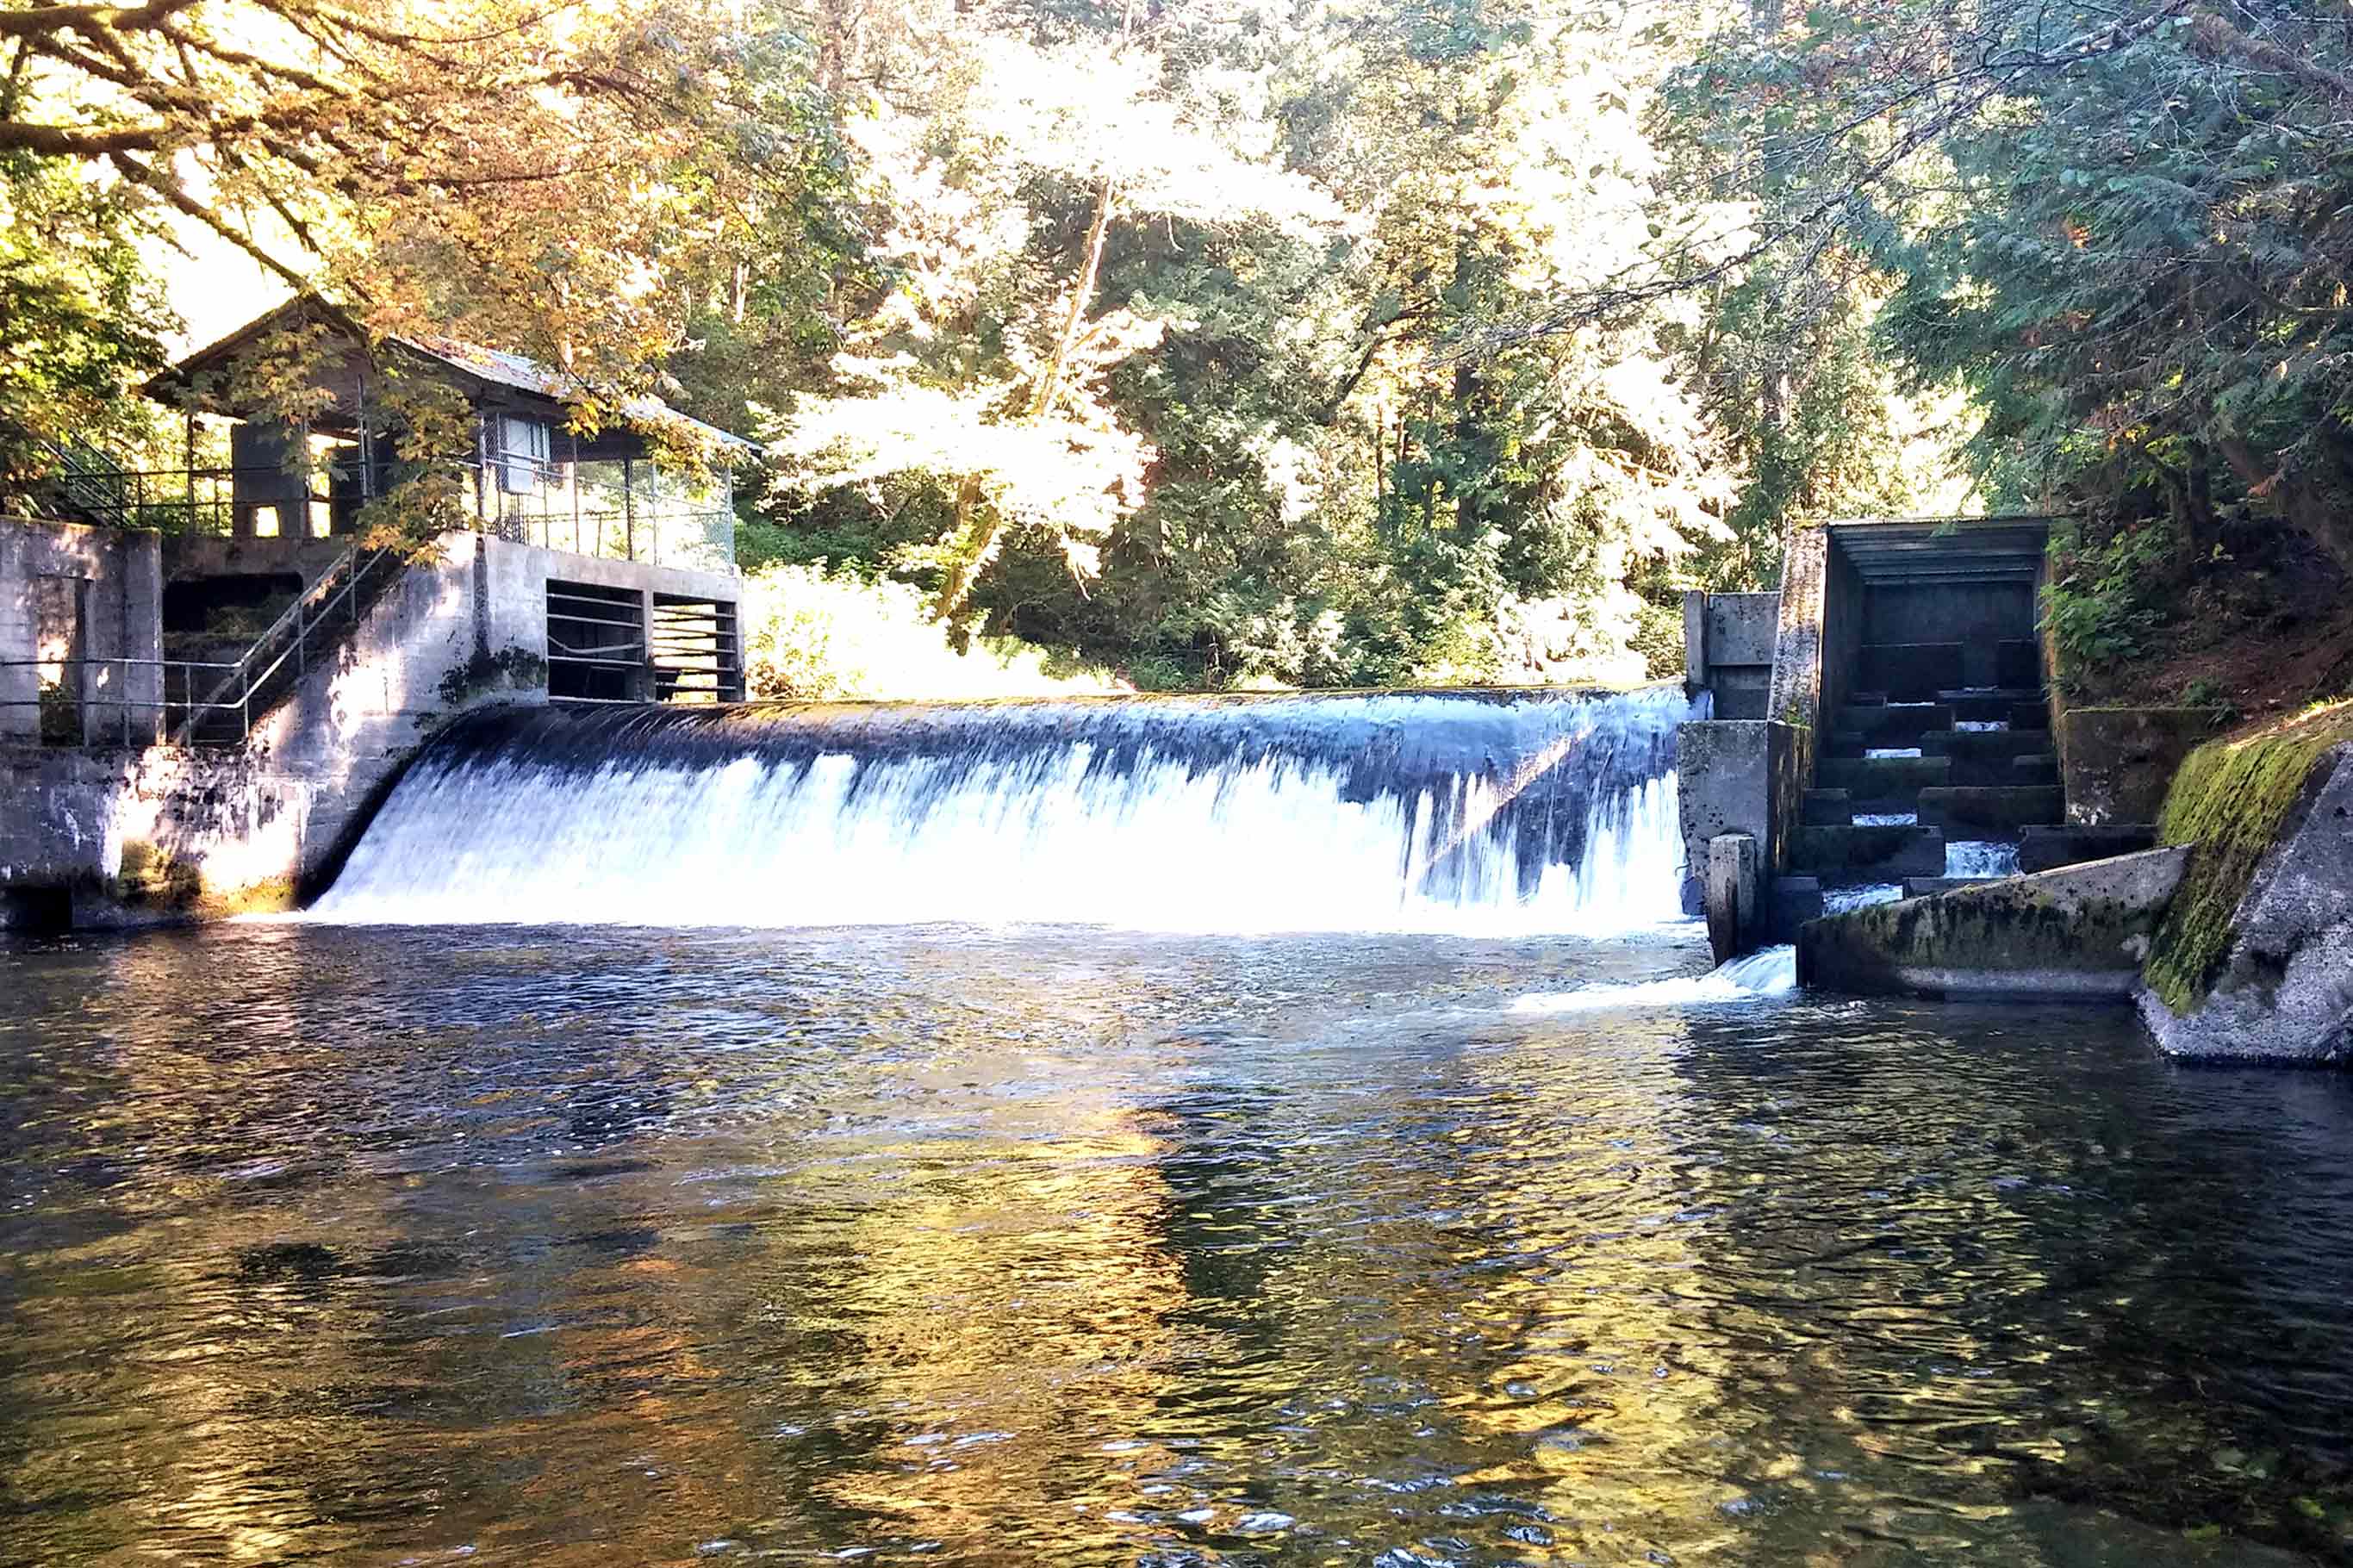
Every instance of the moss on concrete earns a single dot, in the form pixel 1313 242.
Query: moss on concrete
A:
pixel 152 879
pixel 2233 799
pixel 2082 930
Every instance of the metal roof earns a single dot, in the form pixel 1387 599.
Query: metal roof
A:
pixel 491 367
pixel 1943 549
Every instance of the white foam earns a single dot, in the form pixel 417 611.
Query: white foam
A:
pixel 1979 857
pixel 1049 833
pixel 1766 973
pixel 1838 901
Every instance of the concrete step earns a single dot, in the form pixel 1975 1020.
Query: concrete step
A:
pixel 1827 808
pixel 1866 700
pixel 2047 848
pixel 2030 716
pixel 1790 904
pixel 1996 758
pixel 2040 770
pixel 1999 807
pixel 1989 703
pixel 1885 853
pixel 1877 783
pixel 1985 745
pixel 1929 887
pixel 1894 724
pixel 1848 743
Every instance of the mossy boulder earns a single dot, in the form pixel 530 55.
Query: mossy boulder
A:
pixel 2256 958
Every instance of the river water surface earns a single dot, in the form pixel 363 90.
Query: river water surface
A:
pixel 1054 1246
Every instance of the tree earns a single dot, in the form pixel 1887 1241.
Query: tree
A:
pixel 2123 233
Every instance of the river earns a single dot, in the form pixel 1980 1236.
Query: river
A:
pixel 1063 1246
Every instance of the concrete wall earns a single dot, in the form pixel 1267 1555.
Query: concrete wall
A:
pixel 147 833
pixel 1749 775
pixel 1820 632
pixel 2116 762
pixel 72 593
pixel 1728 644
pixel 1978 617
pixel 1741 776
pixel 1845 617
pixel 187 555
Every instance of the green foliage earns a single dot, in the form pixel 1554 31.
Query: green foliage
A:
pixel 1659 638
pixel 2099 605
pixel 81 315
pixel 2231 799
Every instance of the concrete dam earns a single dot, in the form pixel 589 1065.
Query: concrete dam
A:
pixel 1486 814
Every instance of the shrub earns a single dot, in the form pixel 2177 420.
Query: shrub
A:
pixel 811 635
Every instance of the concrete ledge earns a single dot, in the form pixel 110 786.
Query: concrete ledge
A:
pixel 2117 762
pixel 1895 724
pixel 2077 933
pixel 1828 808
pixel 1883 778
pixel 2042 848
pixel 1929 887
pixel 1885 852
pixel 1969 806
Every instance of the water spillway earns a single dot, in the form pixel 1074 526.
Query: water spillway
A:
pixel 1485 813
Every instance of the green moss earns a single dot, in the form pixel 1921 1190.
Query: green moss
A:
pixel 150 878
pixel 2233 800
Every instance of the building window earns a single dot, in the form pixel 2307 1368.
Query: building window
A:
pixel 322 518
pixel 524 451
pixel 265 522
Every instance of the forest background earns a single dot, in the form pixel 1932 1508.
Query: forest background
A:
pixel 1204 343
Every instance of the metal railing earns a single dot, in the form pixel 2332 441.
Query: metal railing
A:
pixel 628 521
pixel 285 647
pixel 187 702
pixel 98 701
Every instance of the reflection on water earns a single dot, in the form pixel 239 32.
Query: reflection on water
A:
pixel 617 1247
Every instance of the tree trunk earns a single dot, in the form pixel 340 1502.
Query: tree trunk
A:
pixel 978 531
pixel 2302 508
pixel 1050 384
pixel 975 541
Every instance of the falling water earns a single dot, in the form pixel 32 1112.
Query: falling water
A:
pixel 1477 813
pixel 1981 857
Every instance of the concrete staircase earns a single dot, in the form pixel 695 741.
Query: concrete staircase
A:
pixel 223 710
pixel 1951 787
pixel 1905 747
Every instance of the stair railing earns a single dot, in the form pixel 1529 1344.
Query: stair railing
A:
pixel 249 678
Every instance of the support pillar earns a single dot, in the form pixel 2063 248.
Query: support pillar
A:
pixel 1731 895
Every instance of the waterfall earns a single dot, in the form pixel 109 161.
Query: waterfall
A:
pixel 1484 813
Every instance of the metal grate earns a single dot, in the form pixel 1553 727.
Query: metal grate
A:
pixel 595 644
pixel 697 655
